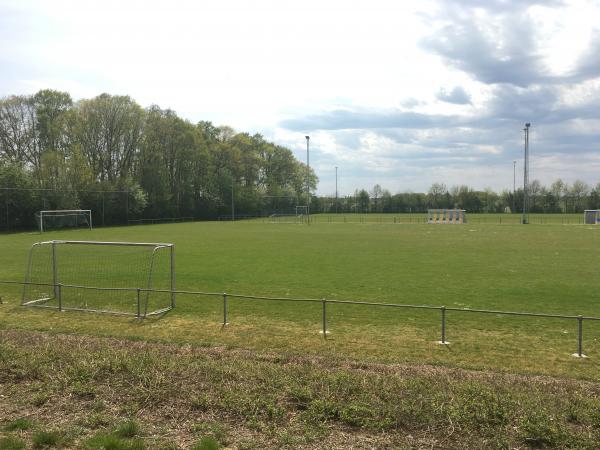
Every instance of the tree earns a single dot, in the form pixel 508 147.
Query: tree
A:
pixel 436 194
pixel 362 201
pixel 556 190
pixel 376 194
pixel 579 192
pixel 109 130
pixel 17 131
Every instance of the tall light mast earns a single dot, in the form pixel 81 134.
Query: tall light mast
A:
pixel 525 217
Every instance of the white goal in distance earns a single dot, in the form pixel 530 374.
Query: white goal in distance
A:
pixel 63 218
pixel 591 217
pixel 127 278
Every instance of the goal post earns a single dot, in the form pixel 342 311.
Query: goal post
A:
pixel 591 217
pixel 302 213
pixel 126 278
pixel 62 218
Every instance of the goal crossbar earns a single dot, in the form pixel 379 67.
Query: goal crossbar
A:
pixel 106 280
pixel 85 214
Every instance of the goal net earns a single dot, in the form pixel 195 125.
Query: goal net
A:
pixel 129 278
pixel 299 216
pixel 591 217
pixel 63 218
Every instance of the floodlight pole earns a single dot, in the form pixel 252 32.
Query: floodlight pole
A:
pixel 525 217
pixel 232 202
pixel 514 185
pixel 336 191
pixel 307 180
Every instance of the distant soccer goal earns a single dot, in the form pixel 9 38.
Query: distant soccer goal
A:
pixel 302 214
pixel 63 218
pixel 109 277
pixel 591 217
pixel 446 216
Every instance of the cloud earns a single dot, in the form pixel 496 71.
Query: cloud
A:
pixel 500 52
pixel 588 63
pixel 343 119
pixel 502 42
pixel 457 96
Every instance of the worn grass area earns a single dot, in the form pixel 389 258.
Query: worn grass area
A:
pixel 541 268
pixel 83 392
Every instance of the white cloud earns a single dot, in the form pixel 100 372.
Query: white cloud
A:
pixel 254 65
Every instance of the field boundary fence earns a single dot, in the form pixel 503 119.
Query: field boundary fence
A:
pixel 225 297
pixel 160 220
pixel 472 219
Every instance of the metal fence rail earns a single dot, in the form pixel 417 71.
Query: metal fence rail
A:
pixel 323 301
pixel 421 218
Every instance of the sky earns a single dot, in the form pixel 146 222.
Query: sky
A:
pixel 396 93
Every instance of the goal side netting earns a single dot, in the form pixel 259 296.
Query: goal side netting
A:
pixel 299 216
pixel 63 218
pixel 128 278
pixel 591 217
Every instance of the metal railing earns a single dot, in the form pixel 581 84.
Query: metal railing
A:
pixel 421 218
pixel 443 310
pixel 159 220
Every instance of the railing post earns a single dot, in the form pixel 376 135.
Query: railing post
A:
pixel 225 323
pixel 443 341
pixel 579 353
pixel 59 292
pixel 138 302
pixel 324 317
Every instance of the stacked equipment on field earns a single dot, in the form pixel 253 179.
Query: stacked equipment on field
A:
pixel 446 216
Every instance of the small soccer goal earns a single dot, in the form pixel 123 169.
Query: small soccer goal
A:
pixel 446 216
pixel 302 214
pixel 299 216
pixel 127 278
pixel 591 217
pixel 63 218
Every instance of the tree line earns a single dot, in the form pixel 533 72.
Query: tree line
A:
pixel 108 153
pixel 559 197
pixel 122 161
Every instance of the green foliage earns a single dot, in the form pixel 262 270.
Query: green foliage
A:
pixel 44 439
pixel 11 443
pixel 105 441
pixel 18 424
pixel 169 166
pixel 538 429
pixel 127 429
pixel 207 443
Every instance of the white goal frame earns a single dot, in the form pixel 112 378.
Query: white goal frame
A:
pixel 55 286
pixel 591 217
pixel 301 210
pixel 87 213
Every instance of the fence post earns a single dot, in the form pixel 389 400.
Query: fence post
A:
pixel 59 291
pixel 225 323
pixel 138 302
pixel 579 353
pixel 324 317
pixel 443 341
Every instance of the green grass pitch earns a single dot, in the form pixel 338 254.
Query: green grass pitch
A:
pixel 550 267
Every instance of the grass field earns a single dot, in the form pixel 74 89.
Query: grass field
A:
pixel 270 380
pixel 548 268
